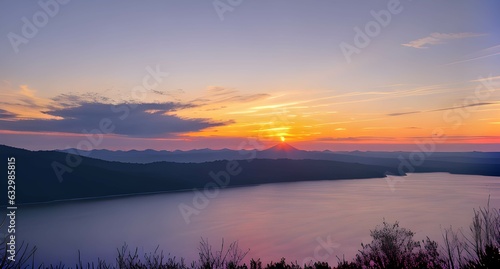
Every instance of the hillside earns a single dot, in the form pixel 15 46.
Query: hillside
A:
pixel 84 177
pixel 37 181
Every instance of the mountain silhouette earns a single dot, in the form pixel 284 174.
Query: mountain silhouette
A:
pixel 88 177
pixel 282 147
pixel 282 150
pixel 82 177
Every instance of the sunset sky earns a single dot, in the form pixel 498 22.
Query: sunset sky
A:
pixel 233 71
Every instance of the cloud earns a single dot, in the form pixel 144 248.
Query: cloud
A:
pixel 74 99
pixel 487 79
pixel 470 105
pixel 128 119
pixel 368 139
pixel 439 109
pixel 403 113
pixel 171 94
pixel 358 97
pixel 4 114
pixel 481 54
pixel 217 95
pixel 464 138
pixel 220 91
pixel 24 102
pixel 245 98
pixel 355 138
pixel 439 38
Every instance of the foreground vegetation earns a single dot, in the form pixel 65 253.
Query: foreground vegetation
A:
pixel 392 247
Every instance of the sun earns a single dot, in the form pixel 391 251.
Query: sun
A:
pixel 282 139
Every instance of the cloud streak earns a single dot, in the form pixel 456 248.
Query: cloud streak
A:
pixel 482 54
pixel 355 139
pixel 439 109
pixel 438 38
pixel 218 95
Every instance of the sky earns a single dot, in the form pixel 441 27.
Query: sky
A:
pixel 323 75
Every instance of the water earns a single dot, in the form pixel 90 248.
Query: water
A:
pixel 292 220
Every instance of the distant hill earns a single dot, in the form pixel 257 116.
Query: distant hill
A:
pixel 284 150
pixel 86 177
pixel 37 182
pixel 282 147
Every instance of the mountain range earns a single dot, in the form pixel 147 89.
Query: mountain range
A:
pixel 46 176
pixel 285 150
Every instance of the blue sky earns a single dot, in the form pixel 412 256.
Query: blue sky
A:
pixel 263 53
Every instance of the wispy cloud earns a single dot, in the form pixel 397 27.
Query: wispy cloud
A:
pixel 244 98
pixel 24 102
pixel 439 109
pixel 306 102
pixel 275 106
pixel 449 139
pixel 220 91
pixel 242 112
pixel 218 95
pixel 439 38
pixel 481 54
pixel 356 139
pixel 464 138
pixel 75 99
pixel 403 113
pixel 487 79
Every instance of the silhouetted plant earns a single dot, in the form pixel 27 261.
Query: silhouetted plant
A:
pixel 348 265
pixel 489 258
pixel 485 231
pixel 255 264
pixel 453 249
pixel 24 253
pixel 221 259
pixel 318 265
pixel 128 259
pixel 476 249
pixel 282 265
pixel 393 247
pixel 343 264
pixel 429 256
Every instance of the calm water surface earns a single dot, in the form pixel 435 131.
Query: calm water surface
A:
pixel 292 220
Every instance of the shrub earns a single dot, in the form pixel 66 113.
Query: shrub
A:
pixel 283 265
pixel 393 247
pixel 478 249
pixel 489 258
pixel 229 258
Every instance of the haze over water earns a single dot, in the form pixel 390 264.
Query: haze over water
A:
pixel 273 220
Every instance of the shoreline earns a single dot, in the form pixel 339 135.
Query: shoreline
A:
pixel 118 196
